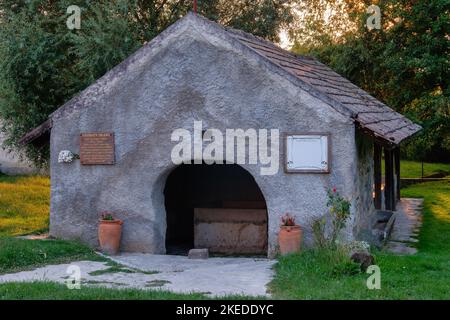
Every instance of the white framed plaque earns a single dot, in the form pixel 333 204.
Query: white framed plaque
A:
pixel 307 153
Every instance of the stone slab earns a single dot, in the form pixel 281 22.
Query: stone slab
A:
pixel 214 277
pixel 198 254
pixel 408 220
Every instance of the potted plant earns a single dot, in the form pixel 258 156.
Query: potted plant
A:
pixel 290 235
pixel 109 233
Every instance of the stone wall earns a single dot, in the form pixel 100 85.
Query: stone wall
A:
pixel 187 74
pixel 231 231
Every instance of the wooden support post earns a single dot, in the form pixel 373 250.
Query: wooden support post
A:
pixel 397 171
pixel 377 174
pixel 422 170
pixel 389 180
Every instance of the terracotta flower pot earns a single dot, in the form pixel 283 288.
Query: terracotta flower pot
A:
pixel 109 234
pixel 289 239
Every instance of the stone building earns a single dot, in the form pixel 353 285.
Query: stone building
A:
pixel 331 134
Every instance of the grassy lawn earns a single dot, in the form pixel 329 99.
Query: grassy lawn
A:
pixel 422 276
pixel 24 204
pixel 20 254
pixel 413 169
pixel 49 290
pixel 54 291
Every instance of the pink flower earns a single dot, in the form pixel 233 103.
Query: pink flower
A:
pixel 334 190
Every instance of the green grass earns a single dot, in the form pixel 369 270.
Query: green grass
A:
pixel 55 291
pixel 413 169
pixel 24 204
pixel 21 254
pixel 310 275
pixel 41 290
pixel 112 269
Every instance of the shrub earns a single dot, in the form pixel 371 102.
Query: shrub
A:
pixel 339 212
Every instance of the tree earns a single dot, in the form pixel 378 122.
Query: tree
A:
pixel 44 64
pixel 404 64
pixel 34 77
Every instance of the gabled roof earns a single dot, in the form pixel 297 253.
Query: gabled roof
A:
pixel 372 116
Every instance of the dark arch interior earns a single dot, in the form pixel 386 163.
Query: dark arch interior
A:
pixel 192 186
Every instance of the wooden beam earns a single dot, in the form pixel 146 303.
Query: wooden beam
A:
pixel 36 132
pixel 389 195
pixel 397 171
pixel 377 174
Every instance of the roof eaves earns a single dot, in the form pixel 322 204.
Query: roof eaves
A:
pixel 36 132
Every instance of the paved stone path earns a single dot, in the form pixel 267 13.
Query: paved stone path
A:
pixel 213 277
pixel 408 220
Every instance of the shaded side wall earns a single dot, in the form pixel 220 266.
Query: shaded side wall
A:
pixel 364 205
pixel 191 75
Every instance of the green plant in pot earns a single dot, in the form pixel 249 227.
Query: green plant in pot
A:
pixel 109 233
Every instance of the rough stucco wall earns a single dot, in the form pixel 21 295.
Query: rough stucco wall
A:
pixel 186 78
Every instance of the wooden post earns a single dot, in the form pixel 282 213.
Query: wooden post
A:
pixel 389 180
pixel 422 169
pixel 397 171
pixel 377 174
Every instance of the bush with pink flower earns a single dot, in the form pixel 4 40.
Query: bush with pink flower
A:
pixel 339 212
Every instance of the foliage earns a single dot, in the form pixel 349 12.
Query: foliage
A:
pixel 338 214
pixel 310 275
pixel 107 216
pixel 34 71
pixel 43 63
pixel 287 220
pixel 405 64
pixel 318 227
pixel 320 23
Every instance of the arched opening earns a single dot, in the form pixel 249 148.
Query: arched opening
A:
pixel 219 207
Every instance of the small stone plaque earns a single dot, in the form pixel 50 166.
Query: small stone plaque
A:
pixel 97 148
